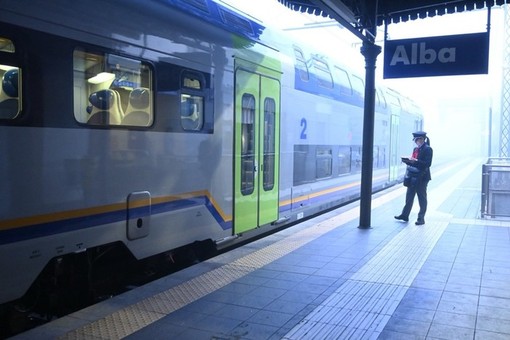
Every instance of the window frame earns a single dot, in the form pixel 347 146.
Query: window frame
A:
pixel 322 73
pixel 269 144
pixel 301 64
pixel 8 62
pixel 191 92
pixel 248 138
pixel 146 74
pixel 355 86
pixel 343 75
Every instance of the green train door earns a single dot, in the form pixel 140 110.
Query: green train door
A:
pixel 394 157
pixel 256 152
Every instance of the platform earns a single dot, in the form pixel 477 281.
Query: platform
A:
pixel 327 279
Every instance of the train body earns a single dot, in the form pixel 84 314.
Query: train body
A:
pixel 150 125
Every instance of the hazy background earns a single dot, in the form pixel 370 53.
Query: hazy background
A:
pixel 457 109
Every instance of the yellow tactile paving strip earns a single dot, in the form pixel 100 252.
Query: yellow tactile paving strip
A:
pixel 130 319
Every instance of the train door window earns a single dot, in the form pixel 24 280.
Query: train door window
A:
pixel 358 85
pixel 343 82
pixel 323 162
pixel 301 67
pixel 322 73
pixel 248 144
pixel 192 101
pixel 269 143
pixel 344 160
pixel 10 81
pixel 112 90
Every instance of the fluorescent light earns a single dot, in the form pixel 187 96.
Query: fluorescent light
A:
pixel 102 78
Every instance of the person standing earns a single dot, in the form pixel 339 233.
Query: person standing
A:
pixel 417 177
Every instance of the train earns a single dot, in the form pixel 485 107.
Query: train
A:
pixel 133 129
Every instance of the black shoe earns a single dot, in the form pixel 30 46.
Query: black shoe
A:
pixel 420 222
pixel 402 218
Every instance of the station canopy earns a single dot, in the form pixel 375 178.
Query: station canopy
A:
pixel 368 14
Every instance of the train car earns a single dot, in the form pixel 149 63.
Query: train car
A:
pixel 130 129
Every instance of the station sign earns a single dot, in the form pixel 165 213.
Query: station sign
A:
pixel 437 56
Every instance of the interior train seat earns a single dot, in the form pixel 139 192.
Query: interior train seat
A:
pixel 9 94
pixel 124 97
pixel 138 110
pixel 106 108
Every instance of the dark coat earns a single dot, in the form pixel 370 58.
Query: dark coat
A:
pixel 424 161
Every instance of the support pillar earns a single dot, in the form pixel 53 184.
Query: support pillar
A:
pixel 504 148
pixel 370 51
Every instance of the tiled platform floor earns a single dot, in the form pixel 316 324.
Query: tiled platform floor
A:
pixel 327 279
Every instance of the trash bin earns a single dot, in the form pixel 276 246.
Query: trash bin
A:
pixel 495 200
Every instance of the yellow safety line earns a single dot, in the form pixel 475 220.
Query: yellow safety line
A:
pixel 130 319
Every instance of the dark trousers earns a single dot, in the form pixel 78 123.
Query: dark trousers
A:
pixel 419 189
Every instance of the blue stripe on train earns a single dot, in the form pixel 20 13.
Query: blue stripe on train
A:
pixel 90 221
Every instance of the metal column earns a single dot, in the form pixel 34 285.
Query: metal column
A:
pixel 504 149
pixel 370 51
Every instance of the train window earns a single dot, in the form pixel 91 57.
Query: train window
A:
pixel 269 143
pixel 303 169
pixel 192 112
pixel 355 158
pixel 405 104
pixel 6 45
pixel 248 144
pixel 192 102
pixel 394 100
pixel 199 4
pixel 358 85
pixel 192 81
pixel 343 81
pixel 323 73
pixel 112 90
pixel 344 160
pixel 301 67
pixel 379 157
pixel 324 162
pixel 10 103
pixel 375 157
pixel 382 98
pixel 10 81
pixel 235 21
